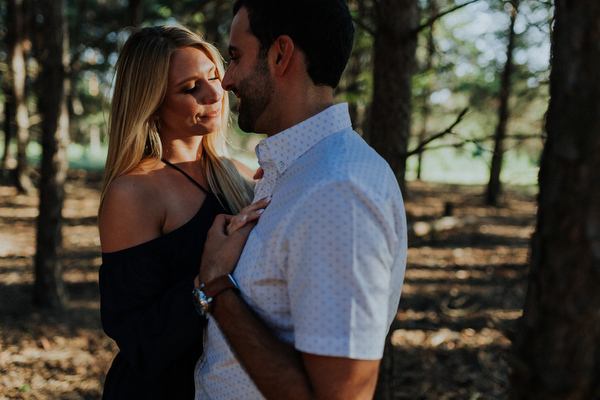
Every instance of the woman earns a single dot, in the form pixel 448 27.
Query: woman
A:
pixel 166 178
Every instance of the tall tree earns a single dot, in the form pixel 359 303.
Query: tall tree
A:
pixel 557 348
pixel 433 11
pixel 214 14
pixel 395 44
pixel 16 53
pixel 135 12
pixel 394 59
pixel 494 184
pixel 355 84
pixel 9 117
pixel 49 288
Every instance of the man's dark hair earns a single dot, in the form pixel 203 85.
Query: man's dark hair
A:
pixel 321 29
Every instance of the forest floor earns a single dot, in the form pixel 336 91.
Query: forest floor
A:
pixel 464 289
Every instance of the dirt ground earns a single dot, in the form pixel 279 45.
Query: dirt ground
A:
pixel 463 293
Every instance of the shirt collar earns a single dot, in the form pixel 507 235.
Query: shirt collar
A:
pixel 285 147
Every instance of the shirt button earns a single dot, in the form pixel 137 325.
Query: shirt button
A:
pixel 281 164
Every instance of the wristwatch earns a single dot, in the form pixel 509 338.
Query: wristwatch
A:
pixel 205 293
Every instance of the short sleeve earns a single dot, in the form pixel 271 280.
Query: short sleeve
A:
pixel 342 246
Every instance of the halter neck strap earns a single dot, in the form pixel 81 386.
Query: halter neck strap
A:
pixel 185 174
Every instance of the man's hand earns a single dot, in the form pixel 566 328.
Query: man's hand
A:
pixel 222 251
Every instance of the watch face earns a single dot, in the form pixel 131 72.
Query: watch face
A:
pixel 201 302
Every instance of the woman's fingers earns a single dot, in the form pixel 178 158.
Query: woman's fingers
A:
pixel 247 214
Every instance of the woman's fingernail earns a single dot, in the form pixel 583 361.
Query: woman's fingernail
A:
pixel 262 210
pixel 244 217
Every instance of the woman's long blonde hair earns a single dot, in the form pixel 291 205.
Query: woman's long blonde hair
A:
pixel 140 87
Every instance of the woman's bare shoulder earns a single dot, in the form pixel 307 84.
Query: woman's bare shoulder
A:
pixel 132 211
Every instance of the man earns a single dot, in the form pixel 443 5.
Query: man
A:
pixel 321 273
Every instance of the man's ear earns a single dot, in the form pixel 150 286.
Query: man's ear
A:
pixel 282 51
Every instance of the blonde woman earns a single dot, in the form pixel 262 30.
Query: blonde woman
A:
pixel 167 176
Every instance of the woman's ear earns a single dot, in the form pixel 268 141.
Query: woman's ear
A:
pixel 282 51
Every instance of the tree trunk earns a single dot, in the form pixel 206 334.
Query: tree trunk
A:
pixel 394 60
pixel 18 72
pixel 385 389
pixel 135 12
pixel 557 349
pixel 49 289
pixel 360 63
pixel 214 12
pixel 433 12
pixel 350 85
pixel 9 117
pixel 494 184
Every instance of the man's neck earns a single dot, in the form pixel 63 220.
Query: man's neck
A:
pixel 304 107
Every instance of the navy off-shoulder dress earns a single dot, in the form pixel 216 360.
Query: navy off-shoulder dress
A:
pixel 147 308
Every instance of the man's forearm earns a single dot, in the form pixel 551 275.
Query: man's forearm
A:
pixel 275 367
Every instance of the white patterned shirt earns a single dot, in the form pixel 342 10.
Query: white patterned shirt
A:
pixel 324 266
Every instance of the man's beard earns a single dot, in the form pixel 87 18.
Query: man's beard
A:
pixel 255 95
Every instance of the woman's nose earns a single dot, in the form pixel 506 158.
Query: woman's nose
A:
pixel 213 93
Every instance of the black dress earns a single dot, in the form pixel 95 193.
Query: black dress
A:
pixel 147 308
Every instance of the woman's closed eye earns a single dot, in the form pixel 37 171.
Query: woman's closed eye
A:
pixel 195 87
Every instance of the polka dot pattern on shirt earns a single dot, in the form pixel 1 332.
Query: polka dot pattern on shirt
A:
pixel 324 266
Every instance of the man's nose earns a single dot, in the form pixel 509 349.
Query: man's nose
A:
pixel 227 82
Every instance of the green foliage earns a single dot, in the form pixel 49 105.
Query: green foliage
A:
pixel 464 70
pixel 466 67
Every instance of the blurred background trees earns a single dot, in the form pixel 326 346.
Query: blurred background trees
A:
pixel 415 67
pixel 445 90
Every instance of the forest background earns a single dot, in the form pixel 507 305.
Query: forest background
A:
pixel 446 91
pixel 461 54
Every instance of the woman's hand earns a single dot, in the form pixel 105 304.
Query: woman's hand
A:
pixel 247 214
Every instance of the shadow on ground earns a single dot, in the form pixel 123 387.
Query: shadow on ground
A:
pixel 462 295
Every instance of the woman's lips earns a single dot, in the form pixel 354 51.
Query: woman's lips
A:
pixel 212 114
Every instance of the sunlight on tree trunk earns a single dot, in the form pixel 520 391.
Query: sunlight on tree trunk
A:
pixel 9 116
pixel 557 349
pixel 15 20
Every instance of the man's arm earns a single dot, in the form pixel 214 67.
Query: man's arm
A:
pixel 282 372
pixel 277 369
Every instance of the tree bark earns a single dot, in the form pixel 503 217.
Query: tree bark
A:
pixel 135 12
pixel 494 184
pixel 557 348
pixel 18 73
pixel 394 60
pixel 426 111
pixel 9 117
pixel 49 290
